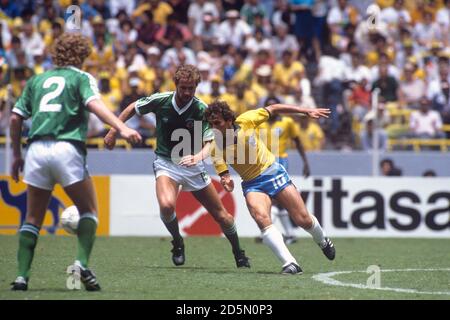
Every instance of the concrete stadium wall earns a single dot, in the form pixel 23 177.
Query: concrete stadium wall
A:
pixel 322 163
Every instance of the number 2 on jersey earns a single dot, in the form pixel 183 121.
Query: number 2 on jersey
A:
pixel 45 106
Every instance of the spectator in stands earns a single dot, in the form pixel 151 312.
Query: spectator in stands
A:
pixel 258 42
pixel 330 76
pixel 282 41
pixel 125 36
pixel 367 137
pixel 288 72
pixel 9 8
pixel 147 31
pixel 427 31
pixel 426 123
pixel 389 169
pixel 161 11
pixel 207 32
pixel 102 8
pixel 319 13
pixel 167 34
pixel 359 98
pixel 197 11
pixel 387 84
pixel 443 20
pixel 233 30
pixel 311 134
pixel 429 173
pixel 171 57
pixel 411 89
pixel 250 9
pixel 303 27
pixel 439 89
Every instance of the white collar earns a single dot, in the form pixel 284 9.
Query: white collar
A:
pixel 178 109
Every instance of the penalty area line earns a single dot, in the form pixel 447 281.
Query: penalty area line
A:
pixel 328 279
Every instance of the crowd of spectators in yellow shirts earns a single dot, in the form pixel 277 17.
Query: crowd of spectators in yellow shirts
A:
pixel 327 53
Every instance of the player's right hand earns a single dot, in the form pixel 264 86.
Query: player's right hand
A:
pixel 227 182
pixel 16 168
pixel 132 136
pixel 110 140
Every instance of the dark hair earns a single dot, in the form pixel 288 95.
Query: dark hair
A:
pixel 219 108
pixel 388 161
pixel 429 173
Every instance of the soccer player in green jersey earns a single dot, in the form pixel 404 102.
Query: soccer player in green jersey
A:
pixel 58 103
pixel 179 116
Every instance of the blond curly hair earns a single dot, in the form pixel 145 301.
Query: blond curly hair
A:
pixel 187 72
pixel 70 49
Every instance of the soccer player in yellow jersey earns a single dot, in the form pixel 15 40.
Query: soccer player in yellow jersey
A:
pixel 278 133
pixel 237 144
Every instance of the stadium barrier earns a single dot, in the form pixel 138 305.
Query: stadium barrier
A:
pixel 346 207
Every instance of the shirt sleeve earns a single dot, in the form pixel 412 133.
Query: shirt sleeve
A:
pixel 88 88
pixel 253 118
pixel 23 104
pixel 217 157
pixel 147 104
pixel 208 134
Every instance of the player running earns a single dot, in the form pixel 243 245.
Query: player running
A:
pixel 58 102
pixel 263 177
pixel 180 114
pixel 278 133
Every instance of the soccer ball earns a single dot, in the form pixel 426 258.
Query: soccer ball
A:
pixel 69 219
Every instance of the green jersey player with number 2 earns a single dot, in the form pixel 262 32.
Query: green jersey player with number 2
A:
pixel 58 103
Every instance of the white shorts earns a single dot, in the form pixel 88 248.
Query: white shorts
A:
pixel 191 179
pixel 51 162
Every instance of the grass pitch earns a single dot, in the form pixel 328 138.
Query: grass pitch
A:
pixel 141 268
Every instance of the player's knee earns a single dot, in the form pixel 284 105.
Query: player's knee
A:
pixel 167 209
pixel 305 221
pixel 262 219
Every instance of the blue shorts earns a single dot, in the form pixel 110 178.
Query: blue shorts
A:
pixel 284 162
pixel 273 180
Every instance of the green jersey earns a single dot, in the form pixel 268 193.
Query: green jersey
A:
pixel 56 102
pixel 179 131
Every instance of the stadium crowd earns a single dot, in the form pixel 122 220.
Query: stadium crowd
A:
pixel 327 53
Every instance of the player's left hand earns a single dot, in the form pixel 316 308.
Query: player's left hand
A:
pixel 189 161
pixel 319 112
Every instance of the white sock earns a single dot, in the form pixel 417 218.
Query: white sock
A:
pixel 286 222
pixel 317 232
pixel 274 240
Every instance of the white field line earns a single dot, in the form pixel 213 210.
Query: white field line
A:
pixel 327 278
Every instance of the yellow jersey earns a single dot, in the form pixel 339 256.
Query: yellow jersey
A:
pixel 312 137
pixel 278 135
pixel 246 153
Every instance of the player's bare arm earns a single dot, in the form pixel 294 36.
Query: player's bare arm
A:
pixel 301 151
pixel 192 160
pixel 110 138
pixel 315 113
pixel 16 122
